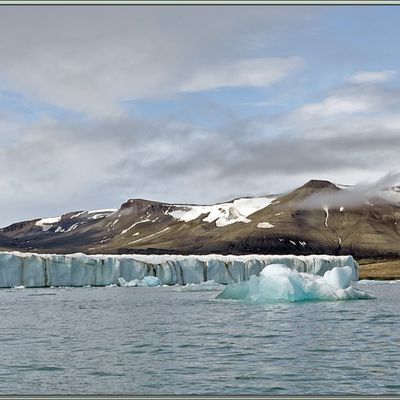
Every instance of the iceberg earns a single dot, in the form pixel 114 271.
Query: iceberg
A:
pixel 277 282
pixel 45 270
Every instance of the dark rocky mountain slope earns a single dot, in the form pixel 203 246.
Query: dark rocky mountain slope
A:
pixel 279 224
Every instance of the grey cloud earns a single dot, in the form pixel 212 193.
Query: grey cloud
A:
pixel 90 59
pixel 62 166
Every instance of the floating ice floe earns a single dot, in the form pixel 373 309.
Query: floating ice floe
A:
pixel 378 282
pixel 146 281
pixel 277 282
pixel 207 286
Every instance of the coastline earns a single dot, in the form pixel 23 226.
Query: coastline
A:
pixel 384 270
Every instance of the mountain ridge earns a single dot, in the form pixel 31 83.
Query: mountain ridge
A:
pixel 274 224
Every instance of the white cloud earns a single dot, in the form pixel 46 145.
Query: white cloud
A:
pixel 372 77
pixel 352 99
pixel 249 72
pixel 337 105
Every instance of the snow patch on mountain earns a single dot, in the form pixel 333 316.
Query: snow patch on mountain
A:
pixel 133 225
pixel 223 214
pixel 326 216
pixel 78 214
pixel 103 211
pixel 72 227
pixel 265 225
pixel 97 214
pixel 47 223
pixel 149 236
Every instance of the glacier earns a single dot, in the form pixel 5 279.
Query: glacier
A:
pixel 45 270
pixel 277 282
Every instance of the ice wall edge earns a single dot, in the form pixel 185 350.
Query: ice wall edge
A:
pixel 45 270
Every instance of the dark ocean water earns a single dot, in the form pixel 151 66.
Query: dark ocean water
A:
pixel 164 341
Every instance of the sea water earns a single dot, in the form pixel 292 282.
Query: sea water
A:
pixel 165 340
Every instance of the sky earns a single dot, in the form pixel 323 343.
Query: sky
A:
pixel 191 104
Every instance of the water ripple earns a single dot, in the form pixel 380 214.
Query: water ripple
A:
pixel 153 341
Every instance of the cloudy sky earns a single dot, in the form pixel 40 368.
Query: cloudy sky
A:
pixel 191 104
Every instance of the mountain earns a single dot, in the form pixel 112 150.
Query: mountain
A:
pixel 308 220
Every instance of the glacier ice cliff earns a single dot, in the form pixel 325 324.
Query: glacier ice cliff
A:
pixel 42 270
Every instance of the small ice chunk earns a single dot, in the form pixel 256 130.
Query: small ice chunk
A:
pixel 207 286
pixel 151 281
pixel 146 281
